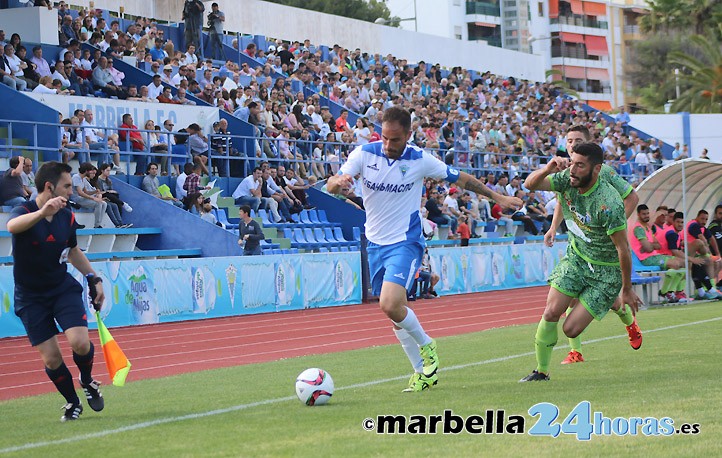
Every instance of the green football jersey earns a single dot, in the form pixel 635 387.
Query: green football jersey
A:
pixel 591 218
pixel 620 184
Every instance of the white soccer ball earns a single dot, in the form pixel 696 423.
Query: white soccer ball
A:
pixel 314 387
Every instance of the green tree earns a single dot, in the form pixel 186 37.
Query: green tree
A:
pixel 355 9
pixel 679 16
pixel 702 76
pixel 667 28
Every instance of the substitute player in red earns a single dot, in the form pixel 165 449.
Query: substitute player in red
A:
pixel 44 241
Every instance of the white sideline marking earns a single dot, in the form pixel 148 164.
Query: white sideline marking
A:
pixel 161 421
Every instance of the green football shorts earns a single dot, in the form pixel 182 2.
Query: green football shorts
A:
pixel 657 260
pixel 594 285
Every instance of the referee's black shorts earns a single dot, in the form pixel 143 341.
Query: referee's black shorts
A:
pixel 40 310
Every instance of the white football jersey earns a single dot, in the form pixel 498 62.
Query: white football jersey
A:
pixel 392 189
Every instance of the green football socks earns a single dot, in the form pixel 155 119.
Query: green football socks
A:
pixel 575 342
pixel 625 314
pixel 546 339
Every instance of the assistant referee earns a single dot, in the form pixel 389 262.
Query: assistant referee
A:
pixel 44 240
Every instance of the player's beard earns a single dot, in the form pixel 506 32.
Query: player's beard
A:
pixel 583 181
pixel 394 154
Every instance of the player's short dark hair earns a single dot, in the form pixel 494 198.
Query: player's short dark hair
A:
pixel 50 172
pixel 718 208
pixel 245 209
pixel 678 215
pixel 671 210
pixel 188 168
pixel 642 207
pixel 591 151
pixel 702 212
pixel 399 115
pixel 581 128
pixel 147 169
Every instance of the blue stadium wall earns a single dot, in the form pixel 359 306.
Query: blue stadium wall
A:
pixel 161 291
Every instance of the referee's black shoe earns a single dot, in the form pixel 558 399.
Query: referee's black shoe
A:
pixel 72 412
pixel 93 395
pixel 535 376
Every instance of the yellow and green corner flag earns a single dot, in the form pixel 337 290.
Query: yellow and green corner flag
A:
pixel 118 364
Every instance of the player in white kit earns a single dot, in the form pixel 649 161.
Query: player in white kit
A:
pixel 393 175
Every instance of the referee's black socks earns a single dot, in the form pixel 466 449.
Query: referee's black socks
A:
pixel 64 383
pixel 85 364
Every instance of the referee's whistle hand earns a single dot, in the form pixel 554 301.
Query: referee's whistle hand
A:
pixel 52 206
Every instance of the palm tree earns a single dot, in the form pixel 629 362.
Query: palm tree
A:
pixel 666 16
pixel 703 78
pixel 557 81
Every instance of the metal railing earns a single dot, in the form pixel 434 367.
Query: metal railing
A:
pixel 580 21
pixel 488 9
pixel 299 154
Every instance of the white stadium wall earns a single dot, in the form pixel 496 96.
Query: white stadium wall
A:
pixel 272 20
pixel 704 131
pixel 35 25
pixel 108 112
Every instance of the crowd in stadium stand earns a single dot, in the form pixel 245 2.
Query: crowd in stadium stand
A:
pixel 500 128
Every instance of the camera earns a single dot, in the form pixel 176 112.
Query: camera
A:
pixel 212 17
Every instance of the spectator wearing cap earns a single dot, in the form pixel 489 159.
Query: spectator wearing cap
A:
pixel 451 203
pixel 373 110
pixel 167 74
pixel 461 109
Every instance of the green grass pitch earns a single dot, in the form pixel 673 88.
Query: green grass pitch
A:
pixel 252 410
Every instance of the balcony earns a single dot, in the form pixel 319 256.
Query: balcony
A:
pixel 632 30
pixel 491 41
pixel 483 8
pixel 575 52
pixel 580 21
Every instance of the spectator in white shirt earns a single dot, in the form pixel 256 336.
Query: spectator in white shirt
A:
pixel 190 56
pixel 155 88
pixel 45 86
pixel 181 75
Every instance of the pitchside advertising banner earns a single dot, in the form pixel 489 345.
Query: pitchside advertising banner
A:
pixel 493 267
pixel 109 112
pixel 161 291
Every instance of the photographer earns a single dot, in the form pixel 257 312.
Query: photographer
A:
pixel 193 18
pixel 216 18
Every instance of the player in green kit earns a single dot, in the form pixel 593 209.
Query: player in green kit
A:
pixel 598 262
pixel 576 135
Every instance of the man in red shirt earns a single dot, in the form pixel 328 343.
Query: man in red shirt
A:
pixel 342 123
pixel 129 130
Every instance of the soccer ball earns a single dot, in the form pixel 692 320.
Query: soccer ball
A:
pixel 314 387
